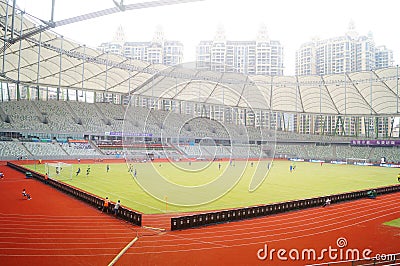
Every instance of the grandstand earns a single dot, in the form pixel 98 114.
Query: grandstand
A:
pixel 195 137
pixel 61 101
pixel 180 108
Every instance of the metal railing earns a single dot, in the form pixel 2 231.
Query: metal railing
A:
pixel 93 200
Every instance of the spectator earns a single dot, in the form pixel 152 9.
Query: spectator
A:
pixel 327 202
pixel 116 207
pixel 106 204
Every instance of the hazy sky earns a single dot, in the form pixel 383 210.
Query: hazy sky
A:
pixel 289 21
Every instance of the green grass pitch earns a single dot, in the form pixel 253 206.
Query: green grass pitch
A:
pixel 169 183
pixel 394 223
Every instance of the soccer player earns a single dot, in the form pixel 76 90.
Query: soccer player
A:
pixel 219 166
pixel 78 171
pixel 135 173
pixel 108 168
pixel 88 171
pixel 291 168
pixel 398 177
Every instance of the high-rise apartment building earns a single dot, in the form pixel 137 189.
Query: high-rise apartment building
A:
pixel 383 57
pixel 348 53
pixel 157 51
pixel 261 56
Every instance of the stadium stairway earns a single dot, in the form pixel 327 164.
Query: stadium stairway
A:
pixel 370 153
pixel 23 146
pixel 103 117
pixel 95 147
pixel 181 152
pixel 62 148
pixel 3 115
pixel 40 114
pixel 74 115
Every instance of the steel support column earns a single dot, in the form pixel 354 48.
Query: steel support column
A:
pixel 60 69
pixel 38 66
pixel 83 74
pixel 19 55
pixel 5 42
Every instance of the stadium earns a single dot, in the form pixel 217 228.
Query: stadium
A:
pixel 210 168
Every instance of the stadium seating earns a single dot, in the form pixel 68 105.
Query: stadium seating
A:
pixel 90 117
pixel 289 151
pixel 79 118
pixel 81 149
pixel 114 114
pixel 392 154
pixel 23 116
pixel 12 150
pixel 59 116
pixel 345 151
pixel 44 149
pixel 319 152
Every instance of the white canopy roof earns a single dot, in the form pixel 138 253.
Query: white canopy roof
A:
pixel 47 59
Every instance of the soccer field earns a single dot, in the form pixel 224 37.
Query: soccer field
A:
pixel 200 186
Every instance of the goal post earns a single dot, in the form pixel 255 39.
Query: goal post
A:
pixel 59 170
pixel 356 161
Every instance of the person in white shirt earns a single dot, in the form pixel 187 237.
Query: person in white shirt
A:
pixel 116 207
pixel 327 202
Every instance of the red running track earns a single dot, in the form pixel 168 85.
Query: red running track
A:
pixel 358 222
pixel 54 229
